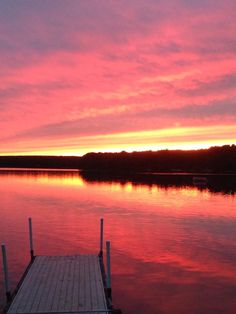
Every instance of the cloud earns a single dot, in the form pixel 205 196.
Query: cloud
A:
pixel 18 90
pixel 227 82
pixel 85 68
pixel 104 122
pixel 215 109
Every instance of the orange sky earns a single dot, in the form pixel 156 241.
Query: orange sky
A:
pixel 80 76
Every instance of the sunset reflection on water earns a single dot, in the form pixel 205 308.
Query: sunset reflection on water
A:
pixel 173 248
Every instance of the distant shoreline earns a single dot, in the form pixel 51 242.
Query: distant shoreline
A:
pixel 38 169
pixel 116 172
pixel 205 161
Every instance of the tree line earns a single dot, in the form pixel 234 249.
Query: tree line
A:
pixel 214 159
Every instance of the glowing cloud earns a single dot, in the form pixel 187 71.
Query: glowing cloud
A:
pixel 80 76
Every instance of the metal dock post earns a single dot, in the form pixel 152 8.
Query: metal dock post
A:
pixel 31 239
pixel 108 246
pixel 101 237
pixel 6 277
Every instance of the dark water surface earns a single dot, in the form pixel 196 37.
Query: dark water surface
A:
pixel 173 244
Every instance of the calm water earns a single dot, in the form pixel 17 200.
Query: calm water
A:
pixel 173 246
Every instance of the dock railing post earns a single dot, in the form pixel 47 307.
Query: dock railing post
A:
pixel 101 237
pixel 6 277
pixel 31 240
pixel 108 269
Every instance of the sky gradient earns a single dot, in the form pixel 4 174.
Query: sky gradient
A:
pixel 81 76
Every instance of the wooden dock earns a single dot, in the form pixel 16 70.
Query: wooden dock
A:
pixel 62 284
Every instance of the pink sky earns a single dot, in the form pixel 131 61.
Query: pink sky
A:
pixel 80 76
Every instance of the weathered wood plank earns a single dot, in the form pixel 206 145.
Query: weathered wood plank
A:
pixel 46 303
pixel 88 299
pixel 68 296
pixel 71 285
pixel 82 284
pixel 44 280
pixel 46 295
pixel 16 301
pixel 93 260
pixel 99 286
pixel 25 292
pixel 75 296
pixel 96 285
pixel 57 286
pixel 32 290
pixel 63 287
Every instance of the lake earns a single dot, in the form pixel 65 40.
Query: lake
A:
pixel 173 244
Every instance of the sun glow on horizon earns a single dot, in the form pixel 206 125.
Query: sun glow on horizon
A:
pixel 183 138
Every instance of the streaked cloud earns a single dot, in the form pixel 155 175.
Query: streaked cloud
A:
pixel 79 69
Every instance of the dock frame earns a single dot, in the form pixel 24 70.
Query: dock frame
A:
pixel 75 284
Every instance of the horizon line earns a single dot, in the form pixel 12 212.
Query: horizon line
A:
pixel 120 151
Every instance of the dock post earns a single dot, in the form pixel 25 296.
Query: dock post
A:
pixel 101 237
pixel 6 277
pixel 31 240
pixel 108 269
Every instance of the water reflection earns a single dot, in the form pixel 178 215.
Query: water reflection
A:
pixel 224 183
pixel 173 244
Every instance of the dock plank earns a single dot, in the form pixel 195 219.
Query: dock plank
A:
pixel 82 285
pixel 70 286
pixel 44 281
pixel 50 289
pixel 28 289
pixel 21 296
pixel 93 260
pixel 56 284
pixel 62 292
pixel 56 287
pixel 99 286
pixel 75 296
pixel 88 299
